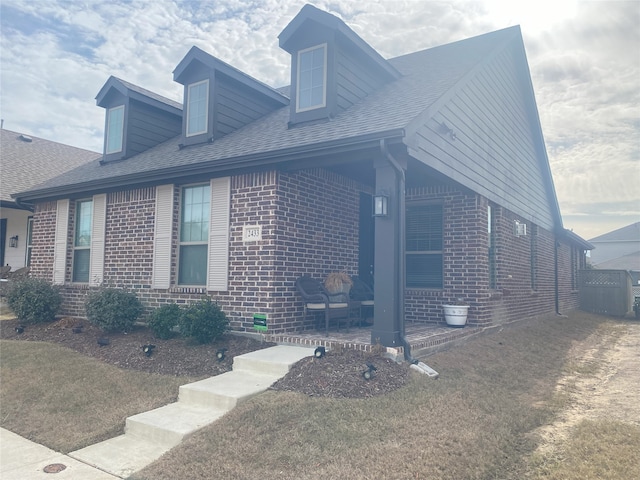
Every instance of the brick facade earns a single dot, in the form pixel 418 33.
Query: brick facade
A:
pixel 310 225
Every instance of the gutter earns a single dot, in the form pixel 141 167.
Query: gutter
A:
pixel 400 178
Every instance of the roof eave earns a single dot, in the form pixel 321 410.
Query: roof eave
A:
pixel 212 167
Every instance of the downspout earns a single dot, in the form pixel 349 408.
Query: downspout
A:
pixel 400 177
pixel 556 245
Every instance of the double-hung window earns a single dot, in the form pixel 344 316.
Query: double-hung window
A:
pixel 115 129
pixel 194 235
pixel 82 241
pixel 312 78
pixel 197 107
pixel 424 240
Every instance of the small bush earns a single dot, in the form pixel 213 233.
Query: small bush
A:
pixel 34 300
pixel 113 309
pixel 163 320
pixel 203 321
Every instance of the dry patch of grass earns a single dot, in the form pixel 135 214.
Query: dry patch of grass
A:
pixel 596 450
pixel 66 401
pixel 475 422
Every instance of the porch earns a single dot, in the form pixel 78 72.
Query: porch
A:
pixel 424 339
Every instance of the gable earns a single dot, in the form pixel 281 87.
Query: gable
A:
pixel 484 135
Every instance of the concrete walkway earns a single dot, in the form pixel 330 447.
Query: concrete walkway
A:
pixel 148 435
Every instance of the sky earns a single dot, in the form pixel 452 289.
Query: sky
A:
pixel 584 58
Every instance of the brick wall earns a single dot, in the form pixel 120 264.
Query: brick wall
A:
pixel 309 223
pixel 518 293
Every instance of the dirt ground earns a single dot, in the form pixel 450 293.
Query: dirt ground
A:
pixel 603 383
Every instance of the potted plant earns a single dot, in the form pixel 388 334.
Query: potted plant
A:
pixel 456 314
pixel 338 285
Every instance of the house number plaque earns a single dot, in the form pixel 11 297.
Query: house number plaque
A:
pixel 251 233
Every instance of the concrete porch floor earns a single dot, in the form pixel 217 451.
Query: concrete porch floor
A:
pixel 424 339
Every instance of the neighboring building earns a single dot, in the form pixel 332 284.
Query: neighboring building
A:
pixel 618 250
pixel 248 187
pixel 25 162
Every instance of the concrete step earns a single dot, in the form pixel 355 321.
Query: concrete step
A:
pixel 225 391
pixel 120 456
pixel 271 361
pixel 150 434
pixel 170 424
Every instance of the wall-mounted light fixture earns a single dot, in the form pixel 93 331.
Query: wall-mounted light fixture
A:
pixel 519 229
pixel 445 130
pixel 380 205
pixel 13 241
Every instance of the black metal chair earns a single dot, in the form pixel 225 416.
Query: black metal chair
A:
pixel 362 292
pixel 316 299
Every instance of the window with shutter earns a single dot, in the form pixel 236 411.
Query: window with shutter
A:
pixel 423 250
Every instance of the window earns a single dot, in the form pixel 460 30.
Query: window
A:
pixel 82 241
pixel 312 68
pixel 424 239
pixel 27 261
pixel 197 106
pixel 194 235
pixel 115 128
pixel 493 283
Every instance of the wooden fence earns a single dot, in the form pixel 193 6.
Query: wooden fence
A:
pixel 605 291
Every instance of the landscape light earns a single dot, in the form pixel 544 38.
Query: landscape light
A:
pixel 148 349
pixel 103 341
pixel 220 354
pixel 319 352
pixel 368 374
pixel 19 329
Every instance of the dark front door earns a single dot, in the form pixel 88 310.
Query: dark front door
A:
pixel 366 244
pixel 3 239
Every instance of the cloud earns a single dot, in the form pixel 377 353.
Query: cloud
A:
pixel 583 57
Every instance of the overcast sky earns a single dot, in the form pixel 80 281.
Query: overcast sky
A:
pixel 584 58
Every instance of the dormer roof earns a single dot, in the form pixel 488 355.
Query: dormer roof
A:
pixel 290 36
pixel 198 59
pixel 136 93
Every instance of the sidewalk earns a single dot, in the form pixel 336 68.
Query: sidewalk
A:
pixel 22 459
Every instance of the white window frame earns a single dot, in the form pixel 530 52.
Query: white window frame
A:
pixel 323 46
pixel 182 243
pixel 188 131
pixel 110 112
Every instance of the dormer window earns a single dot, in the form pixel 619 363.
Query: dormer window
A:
pixel 197 107
pixel 312 78
pixel 115 129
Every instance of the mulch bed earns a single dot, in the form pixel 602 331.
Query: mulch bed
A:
pixel 337 374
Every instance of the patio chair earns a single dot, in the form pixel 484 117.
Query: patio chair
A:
pixel 361 292
pixel 19 273
pixel 316 299
pixel 4 271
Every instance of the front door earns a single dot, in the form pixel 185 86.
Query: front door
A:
pixel 366 242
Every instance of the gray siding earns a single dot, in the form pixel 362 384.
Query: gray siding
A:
pixel 235 107
pixel 494 151
pixel 148 127
pixel 354 80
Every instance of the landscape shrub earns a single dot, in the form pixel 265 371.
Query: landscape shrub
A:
pixel 34 300
pixel 113 309
pixel 203 321
pixel 163 320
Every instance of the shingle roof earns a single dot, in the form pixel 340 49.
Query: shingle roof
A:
pixel 427 75
pixel 27 161
pixel 628 233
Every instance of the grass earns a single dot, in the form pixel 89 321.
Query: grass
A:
pixel 66 401
pixel 477 421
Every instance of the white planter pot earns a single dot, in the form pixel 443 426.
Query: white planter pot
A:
pixel 456 315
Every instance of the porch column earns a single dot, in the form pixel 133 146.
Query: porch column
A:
pixel 388 284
